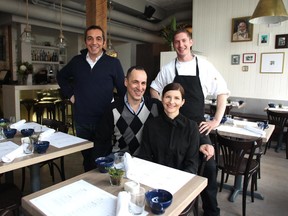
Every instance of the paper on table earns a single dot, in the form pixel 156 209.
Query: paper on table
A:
pixel 18 124
pixel 158 176
pixel 76 199
pixel 61 140
pixel 12 155
pixel 255 130
pixel 46 134
pixel 122 208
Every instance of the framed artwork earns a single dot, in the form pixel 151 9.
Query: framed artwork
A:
pixel 242 30
pixel 272 62
pixel 235 59
pixel 281 41
pixel 263 39
pixel 249 57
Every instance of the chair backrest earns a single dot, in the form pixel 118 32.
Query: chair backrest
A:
pixel 57 125
pixel 213 108
pixel 279 119
pixel 235 152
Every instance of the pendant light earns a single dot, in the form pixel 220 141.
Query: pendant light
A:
pixel 110 50
pixel 26 35
pixel 269 12
pixel 61 43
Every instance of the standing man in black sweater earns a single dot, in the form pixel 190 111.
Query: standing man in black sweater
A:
pixel 88 81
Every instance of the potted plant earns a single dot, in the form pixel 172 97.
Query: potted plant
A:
pixel 24 69
pixel 168 32
pixel 116 175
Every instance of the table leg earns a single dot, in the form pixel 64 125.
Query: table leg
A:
pixel 9 177
pixel 35 177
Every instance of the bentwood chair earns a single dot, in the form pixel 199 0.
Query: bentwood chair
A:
pixel 61 127
pixel 280 120
pixel 213 108
pixel 237 159
pixel 10 199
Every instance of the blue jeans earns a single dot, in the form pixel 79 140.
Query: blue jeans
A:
pixel 87 131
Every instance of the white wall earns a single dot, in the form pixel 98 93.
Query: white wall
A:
pixel 212 21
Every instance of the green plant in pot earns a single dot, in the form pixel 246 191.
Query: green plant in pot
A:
pixel 168 32
pixel 116 175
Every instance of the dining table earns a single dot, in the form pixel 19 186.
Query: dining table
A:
pixel 61 144
pixel 243 130
pixel 92 192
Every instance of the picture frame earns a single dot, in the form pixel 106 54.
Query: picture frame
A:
pixel 235 59
pixel 281 41
pixel 242 30
pixel 264 39
pixel 249 57
pixel 272 63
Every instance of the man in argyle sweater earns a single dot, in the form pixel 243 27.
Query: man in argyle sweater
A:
pixel 126 116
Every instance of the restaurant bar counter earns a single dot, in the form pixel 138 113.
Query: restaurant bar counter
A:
pixel 12 94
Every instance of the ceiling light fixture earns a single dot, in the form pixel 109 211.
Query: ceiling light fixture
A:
pixel 269 12
pixel 26 35
pixel 62 42
pixel 110 50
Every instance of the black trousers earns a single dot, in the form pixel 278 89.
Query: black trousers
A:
pixel 209 194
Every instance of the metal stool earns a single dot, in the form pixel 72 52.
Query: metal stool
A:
pixel 28 104
pixel 42 106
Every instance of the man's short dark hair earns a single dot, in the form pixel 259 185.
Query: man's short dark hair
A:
pixel 136 67
pixel 182 30
pixel 94 27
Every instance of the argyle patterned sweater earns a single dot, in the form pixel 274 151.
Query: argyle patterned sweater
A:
pixel 126 127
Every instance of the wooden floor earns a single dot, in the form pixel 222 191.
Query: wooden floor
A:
pixel 272 185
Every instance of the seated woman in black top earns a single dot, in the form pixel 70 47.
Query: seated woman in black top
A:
pixel 171 139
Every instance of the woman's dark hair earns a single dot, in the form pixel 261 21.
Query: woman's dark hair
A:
pixel 94 27
pixel 136 67
pixel 174 86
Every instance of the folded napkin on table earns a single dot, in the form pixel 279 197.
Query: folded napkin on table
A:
pixel 12 155
pixel 254 130
pixel 128 164
pixel 46 134
pixel 18 124
pixel 122 208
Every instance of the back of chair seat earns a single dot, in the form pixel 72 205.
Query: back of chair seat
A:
pixel 278 119
pixel 236 154
pixel 57 125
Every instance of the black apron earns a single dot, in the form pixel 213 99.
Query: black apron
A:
pixel 194 106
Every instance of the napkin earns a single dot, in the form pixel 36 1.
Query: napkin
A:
pixel 123 200
pixel 128 164
pixel 46 134
pixel 12 155
pixel 255 130
pixel 18 124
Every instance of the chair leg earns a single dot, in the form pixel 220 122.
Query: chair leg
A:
pixel 23 179
pixel 62 168
pixel 222 181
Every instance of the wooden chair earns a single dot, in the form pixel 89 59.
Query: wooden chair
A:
pixel 61 127
pixel 280 120
pixel 10 199
pixel 213 108
pixel 237 159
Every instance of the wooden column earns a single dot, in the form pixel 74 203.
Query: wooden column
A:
pixel 96 13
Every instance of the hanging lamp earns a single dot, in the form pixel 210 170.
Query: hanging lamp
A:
pixel 110 50
pixel 269 12
pixel 26 35
pixel 62 42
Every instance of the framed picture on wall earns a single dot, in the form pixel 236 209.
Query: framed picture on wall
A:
pixel 281 41
pixel 263 39
pixel 235 59
pixel 272 62
pixel 249 57
pixel 242 30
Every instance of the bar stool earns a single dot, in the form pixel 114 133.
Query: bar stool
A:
pixel 42 106
pixel 28 104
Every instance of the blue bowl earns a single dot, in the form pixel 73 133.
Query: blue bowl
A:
pixel 103 163
pixel 158 200
pixel 10 132
pixel 41 146
pixel 27 132
pixel 271 105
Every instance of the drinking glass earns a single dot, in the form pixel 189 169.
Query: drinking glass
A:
pixel 137 201
pixel 36 134
pixel 27 145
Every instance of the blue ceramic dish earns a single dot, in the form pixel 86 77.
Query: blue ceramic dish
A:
pixel 27 132
pixel 271 105
pixel 41 146
pixel 10 132
pixel 158 200
pixel 103 163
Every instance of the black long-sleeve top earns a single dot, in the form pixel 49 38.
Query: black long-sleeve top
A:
pixel 173 143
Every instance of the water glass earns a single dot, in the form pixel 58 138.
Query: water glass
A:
pixel 27 145
pixel 137 201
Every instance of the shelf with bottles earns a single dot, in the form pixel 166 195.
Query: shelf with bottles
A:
pixel 44 54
